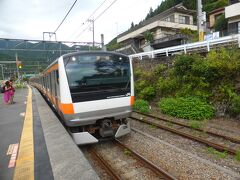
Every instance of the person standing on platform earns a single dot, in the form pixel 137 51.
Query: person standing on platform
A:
pixel 12 90
pixel 6 96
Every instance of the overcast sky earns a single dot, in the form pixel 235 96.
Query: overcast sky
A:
pixel 28 19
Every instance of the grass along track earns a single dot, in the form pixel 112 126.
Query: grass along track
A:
pixel 180 131
pixel 234 140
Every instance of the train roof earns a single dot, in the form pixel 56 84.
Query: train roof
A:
pixel 82 52
pixel 92 52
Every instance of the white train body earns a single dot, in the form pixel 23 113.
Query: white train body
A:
pixel 93 92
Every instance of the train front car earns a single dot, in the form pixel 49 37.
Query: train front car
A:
pixel 100 95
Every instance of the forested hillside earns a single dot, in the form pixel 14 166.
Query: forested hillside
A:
pixel 33 50
pixel 208 5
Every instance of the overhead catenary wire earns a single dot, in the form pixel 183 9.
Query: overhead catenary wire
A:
pixel 65 16
pixel 97 18
pixel 60 25
pixel 90 16
pixel 96 10
pixel 105 10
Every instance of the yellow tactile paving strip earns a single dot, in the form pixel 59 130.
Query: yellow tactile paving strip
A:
pixel 25 161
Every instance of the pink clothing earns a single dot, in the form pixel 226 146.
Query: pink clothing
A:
pixel 6 96
pixel 11 92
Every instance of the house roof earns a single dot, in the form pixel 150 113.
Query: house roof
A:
pixel 178 8
pixel 222 9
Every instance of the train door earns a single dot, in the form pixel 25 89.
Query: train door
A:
pixel 57 88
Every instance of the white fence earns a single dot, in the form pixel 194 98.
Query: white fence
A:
pixel 189 47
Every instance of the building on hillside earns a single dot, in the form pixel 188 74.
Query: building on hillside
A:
pixel 165 28
pixel 214 16
pixel 232 13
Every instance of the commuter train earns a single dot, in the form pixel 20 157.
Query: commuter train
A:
pixel 93 92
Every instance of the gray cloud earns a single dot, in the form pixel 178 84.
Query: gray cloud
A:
pixel 30 18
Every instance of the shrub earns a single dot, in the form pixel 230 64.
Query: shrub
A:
pixel 140 85
pixel 211 78
pixel 188 108
pixel 195 124
pixel 217 153
pixel 148 35
pixel 142 106
pixel 127 152
pixel 231 98
pixel 137 73
pixel 221 23
pixel 167 87
pixel 191 89
pixel 148 93
pixel 221 65
pixel 19 85
pixel 235 105
pixel 183 64
pixel 237 157
pixel 148 76
pixel 160 69
pixel 192 35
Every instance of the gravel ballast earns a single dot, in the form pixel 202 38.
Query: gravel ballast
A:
pixel 180 163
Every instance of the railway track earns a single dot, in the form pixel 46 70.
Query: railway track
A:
pixel 186 131
pixel 138 164
pixel 104 164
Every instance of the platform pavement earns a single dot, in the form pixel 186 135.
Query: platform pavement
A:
pixel 55 154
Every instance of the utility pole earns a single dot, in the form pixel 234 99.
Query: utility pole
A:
pixel 2 71
pixel 200 18
pixel 17 65
pixel 102 43
pixel 92 21
pixel 38 67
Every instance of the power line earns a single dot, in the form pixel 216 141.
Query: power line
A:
pixel 105 10
pixel 96 10
pixel 97 17
pixel 90 16
pixel 65 16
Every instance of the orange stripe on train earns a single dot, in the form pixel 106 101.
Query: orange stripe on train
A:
pixel 52 68
pixel 66 108
pixel 132 100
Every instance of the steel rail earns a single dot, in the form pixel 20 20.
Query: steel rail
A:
pixel 187 126
pixel 189 136
pixel 158 170
pixel 111 172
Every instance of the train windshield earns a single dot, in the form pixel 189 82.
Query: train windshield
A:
pixel 88 73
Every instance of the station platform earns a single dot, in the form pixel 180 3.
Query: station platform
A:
pixel 35 145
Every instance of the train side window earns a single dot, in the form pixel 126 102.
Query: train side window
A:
pixel 50 82
pixel 57 83
pixel 44 82
pixel 57 76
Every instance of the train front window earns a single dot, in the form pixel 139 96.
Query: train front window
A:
pixel 88 73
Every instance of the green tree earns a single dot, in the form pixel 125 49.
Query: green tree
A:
pixel 132 25
pixel 113 45
pixel 148 35
pixel 150 14
pixel 221 23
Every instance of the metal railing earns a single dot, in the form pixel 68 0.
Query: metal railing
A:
pixel 207 45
